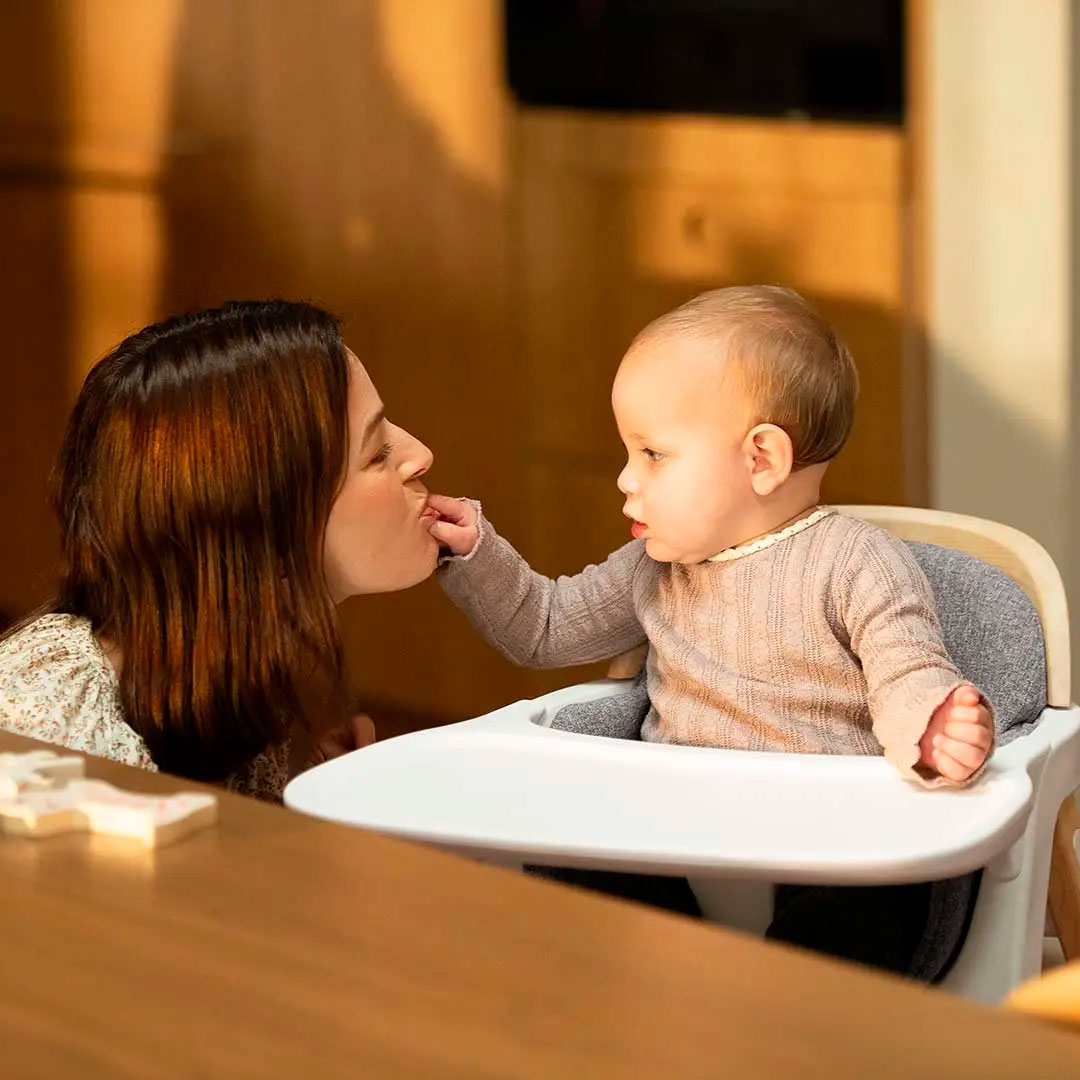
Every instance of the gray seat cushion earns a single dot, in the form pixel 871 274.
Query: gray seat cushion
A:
pixel 617 717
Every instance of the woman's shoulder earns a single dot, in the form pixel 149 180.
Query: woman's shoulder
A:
pixel 51 649
pixel 56 685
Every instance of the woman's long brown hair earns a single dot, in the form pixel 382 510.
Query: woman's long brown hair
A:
pixel 193 489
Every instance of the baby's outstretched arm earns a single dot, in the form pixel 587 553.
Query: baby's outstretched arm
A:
pixel 532 619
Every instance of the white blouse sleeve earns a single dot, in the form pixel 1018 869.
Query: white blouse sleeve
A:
pixel 57 686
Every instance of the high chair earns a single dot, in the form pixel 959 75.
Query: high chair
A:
pixel 509 788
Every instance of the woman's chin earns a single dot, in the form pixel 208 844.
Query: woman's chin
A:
pixel 407 573
pixel 425 564
pixel 431 558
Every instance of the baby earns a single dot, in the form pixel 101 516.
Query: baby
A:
pixel 773 622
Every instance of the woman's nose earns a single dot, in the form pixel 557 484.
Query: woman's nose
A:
pixel 416 460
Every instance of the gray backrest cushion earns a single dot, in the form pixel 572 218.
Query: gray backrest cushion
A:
pixel 992 632
pixel 990 627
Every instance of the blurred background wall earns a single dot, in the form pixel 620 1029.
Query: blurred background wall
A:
pixel 494 228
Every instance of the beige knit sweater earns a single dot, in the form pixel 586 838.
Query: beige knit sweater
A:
pixel 825 643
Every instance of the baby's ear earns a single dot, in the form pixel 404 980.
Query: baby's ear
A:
pixel 770 456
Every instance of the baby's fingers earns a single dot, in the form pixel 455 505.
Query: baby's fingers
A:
pixel 950 768
pixel 962 753
pixel 450 534
pixel 972 734
pixel 456 511
pixel 967 714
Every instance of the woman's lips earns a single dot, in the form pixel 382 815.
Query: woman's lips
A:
pixel 428 517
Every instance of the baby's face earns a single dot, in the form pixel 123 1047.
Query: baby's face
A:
pixel 687 477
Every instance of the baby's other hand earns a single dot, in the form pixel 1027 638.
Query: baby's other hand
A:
pixel 457 527
pixel 959 735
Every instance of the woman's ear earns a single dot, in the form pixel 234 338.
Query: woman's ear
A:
pixel 770 456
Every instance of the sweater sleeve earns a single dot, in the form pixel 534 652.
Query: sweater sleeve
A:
pixel 539 622
pixel 887 608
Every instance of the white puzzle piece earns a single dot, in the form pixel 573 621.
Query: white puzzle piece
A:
pixel 43 794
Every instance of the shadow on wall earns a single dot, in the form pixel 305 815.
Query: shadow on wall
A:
pixel 312 176
pixel 35 293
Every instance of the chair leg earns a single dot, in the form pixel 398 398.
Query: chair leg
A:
pixel 1064 895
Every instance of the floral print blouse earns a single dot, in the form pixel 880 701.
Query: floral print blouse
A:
pixel 57 685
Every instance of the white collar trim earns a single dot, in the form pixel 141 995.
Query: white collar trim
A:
pixel 762 542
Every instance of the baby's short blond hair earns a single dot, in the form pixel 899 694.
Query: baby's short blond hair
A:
pixel 794 370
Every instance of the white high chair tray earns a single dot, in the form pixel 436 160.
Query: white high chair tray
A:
pixel 507 789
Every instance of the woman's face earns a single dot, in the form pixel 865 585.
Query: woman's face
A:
pixel 377 537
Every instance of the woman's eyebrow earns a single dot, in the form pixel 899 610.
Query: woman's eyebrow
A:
pixel 373 422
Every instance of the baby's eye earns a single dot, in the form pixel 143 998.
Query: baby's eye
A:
pixel 652 455
pixel 381 455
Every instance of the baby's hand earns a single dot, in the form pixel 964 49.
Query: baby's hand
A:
pixel 959 735
pixel 457 527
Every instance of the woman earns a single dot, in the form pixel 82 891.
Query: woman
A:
pixel 226 479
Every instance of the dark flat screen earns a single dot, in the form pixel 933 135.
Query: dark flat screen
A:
pixel 829 59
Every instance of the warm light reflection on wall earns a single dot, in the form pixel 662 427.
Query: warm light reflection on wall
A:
pixel 439 56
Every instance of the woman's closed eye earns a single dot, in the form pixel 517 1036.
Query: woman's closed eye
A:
pixel 382 455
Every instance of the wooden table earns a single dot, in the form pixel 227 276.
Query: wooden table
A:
pixel 277 946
